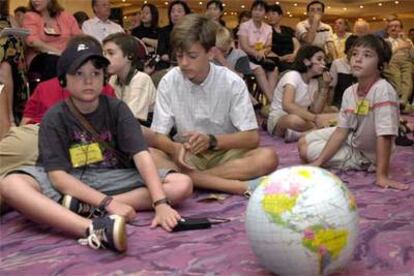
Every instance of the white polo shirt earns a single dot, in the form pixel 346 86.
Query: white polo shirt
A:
pixel 100 29
pixel 324 33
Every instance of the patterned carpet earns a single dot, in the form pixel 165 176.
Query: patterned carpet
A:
pixel 386 241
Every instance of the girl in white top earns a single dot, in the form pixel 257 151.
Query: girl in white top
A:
pixel 133 87
pixel 299 98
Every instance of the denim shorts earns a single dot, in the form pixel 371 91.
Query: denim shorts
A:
pixel 107 181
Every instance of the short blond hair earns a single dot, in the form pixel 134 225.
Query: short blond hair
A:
pixel 223 38
pixel 191 29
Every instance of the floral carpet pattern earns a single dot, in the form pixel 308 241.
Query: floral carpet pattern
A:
pixel 385 246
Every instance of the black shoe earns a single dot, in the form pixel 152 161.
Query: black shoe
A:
pixel 81 208
pixel 107 232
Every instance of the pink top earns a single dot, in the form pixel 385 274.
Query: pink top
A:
pixel 66 27
pixel 262 35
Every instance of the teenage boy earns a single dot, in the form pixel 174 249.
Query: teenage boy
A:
pixel 90 149
pixel 209 105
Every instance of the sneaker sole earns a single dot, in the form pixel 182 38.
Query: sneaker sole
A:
pixel 120 242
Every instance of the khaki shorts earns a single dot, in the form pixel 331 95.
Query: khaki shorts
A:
pixel 213 158
pixel 273 119
pixel 347 157
pixel 19 148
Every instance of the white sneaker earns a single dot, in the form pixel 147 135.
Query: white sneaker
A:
pixel 292 135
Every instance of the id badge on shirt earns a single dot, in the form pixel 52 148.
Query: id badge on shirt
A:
pixel 362 107
pixel 81 155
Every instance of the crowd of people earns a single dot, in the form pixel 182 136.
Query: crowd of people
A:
pixel 121 121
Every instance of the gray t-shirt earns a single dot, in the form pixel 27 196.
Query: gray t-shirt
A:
pixel 61 137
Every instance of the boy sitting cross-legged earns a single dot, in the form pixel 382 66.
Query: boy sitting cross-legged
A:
pixel 88 147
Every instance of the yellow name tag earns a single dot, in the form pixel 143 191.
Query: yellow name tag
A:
pixel 362 107
pixel 85 154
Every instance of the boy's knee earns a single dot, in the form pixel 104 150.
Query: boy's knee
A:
pixel 182 186
pixel 271 160
pixel 303 149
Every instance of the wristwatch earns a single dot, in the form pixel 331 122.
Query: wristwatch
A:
pixel 212 144
pixel 161 201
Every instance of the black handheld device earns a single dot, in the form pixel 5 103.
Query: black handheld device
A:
pixel 192 224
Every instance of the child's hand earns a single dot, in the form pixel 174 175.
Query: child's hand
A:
pixel 166 217
pixel 196 142
pixel 179 158
pixel 389 183
pixel 122 209
pixel 326 78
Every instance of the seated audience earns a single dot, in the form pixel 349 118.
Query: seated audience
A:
pixel 255 39
pixel 19 13
pixel 361 27
pixel 12 73
pixel 215 10
pixel 299 99
pixel 50 28
pixel 313 31
pixel 243 17
pixel 226 55
pixel 100 26
pixel 89 157
pixel 341 74
pixel 217 140
pixel 148 31
pixel 400 70
pixel 368 120
pixel 81 17
pixel 284 43
pixel 133 87
pixel 342 32
pixel 176 10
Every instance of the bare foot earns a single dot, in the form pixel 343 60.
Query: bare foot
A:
pixel 388 183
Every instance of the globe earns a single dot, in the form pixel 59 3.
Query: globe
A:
pixel 302 220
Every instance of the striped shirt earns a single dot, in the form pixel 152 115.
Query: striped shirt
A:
pixel 382 118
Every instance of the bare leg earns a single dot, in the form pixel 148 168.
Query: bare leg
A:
pixel 303 149
pixel 23 193
pixel 4 114
pixel 232 176
pixel 272 78
pixel 292 121
pixel 177 187
pixel 263 83
pixel 6 77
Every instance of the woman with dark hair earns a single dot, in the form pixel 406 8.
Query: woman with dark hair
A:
pixel 148 31
pixel 299 99
pixel 176 10
pixel 284 43
pixel 215 9
pixel 50 28
pixel 13 88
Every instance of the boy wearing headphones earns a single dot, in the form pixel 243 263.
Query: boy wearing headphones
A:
pixel 90 146
pixel 367 122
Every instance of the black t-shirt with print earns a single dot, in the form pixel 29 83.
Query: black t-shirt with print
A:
pixel 60 132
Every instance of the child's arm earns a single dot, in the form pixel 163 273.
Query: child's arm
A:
pixel 383 164
pixel 69 185
pixel 334 143
pixel 321 97
pixel 165 215
pixel 289 105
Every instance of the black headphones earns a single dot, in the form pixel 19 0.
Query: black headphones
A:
pixel 62 79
